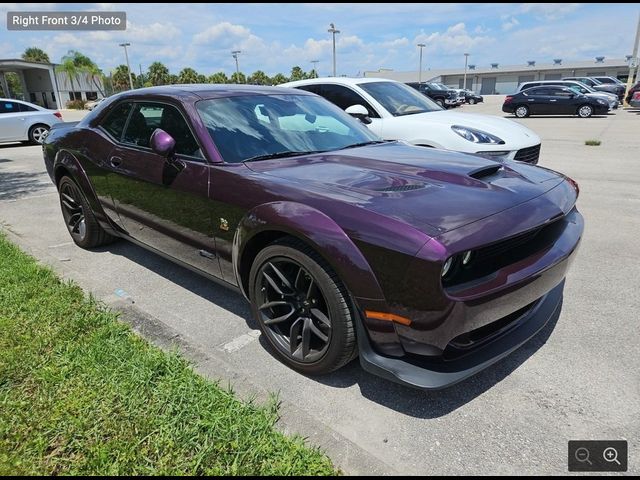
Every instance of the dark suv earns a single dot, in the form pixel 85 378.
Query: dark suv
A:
pixel 632 90
pixel 444 97
pixel 602 87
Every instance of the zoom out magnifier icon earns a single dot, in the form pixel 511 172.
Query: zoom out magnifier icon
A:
pixel 610 454
pixel 582 455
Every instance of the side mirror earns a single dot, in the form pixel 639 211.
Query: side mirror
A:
pixel 162 143
pixel 359 112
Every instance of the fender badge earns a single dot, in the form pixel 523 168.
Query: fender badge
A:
pixel 224 225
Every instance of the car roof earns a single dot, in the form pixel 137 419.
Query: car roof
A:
pixel 22 102
pixel 207 90
pixel 337 80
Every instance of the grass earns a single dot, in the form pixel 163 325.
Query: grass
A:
pixel 592 143
pixel 81 394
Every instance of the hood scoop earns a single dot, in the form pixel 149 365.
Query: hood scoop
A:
pixel 485 172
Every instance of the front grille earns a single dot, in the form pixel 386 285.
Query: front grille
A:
pixel 529 154
pixel 501 247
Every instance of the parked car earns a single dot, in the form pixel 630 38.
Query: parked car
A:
pixel 431 265
pixel 616 89
pixel 25 122
pixel 395 111
pixel 635 88
pixel 443 96
pixel 612 80
pixel 93 103
pixel 577 86
pixel 472 98
pixel 460 95
pixel 635 100
pixel 551 100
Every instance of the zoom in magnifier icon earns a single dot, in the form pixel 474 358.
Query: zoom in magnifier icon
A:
pixel 610 455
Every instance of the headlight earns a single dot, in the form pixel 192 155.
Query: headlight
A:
pixel 447 266
pixel 476 136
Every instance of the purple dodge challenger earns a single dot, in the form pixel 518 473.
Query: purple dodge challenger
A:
pixel 429 265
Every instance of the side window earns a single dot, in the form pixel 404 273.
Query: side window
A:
pixel 344 97
pixel 539 91
pixel 116 120
pixel 310 88
pixel 146 117
pixel 9 107
pixel 26 108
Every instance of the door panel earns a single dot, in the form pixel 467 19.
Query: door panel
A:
pixel 12 122
pixel 164 203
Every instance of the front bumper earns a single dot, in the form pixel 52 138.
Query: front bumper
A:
pixel 435 373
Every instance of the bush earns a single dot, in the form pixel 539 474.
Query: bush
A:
pixel 76 104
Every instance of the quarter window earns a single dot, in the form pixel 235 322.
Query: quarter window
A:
pixel 116 120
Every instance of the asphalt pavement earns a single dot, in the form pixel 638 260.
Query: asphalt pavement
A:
pixel 577 379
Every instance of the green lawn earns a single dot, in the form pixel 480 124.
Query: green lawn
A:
pixel 80 393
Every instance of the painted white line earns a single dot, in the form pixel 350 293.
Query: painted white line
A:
pixel 241 341
pixel 61 245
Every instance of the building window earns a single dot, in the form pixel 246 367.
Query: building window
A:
pixel 75 95
pixel 32 97
pixel 92 95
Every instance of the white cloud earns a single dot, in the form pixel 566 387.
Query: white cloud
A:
pixel 221 31
pixel 550 11
pixel 509 24
pixel 455 39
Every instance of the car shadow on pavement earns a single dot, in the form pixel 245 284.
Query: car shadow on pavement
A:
pixel 405 400
pixel 15 185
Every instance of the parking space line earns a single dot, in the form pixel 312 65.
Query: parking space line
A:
pixel 241 341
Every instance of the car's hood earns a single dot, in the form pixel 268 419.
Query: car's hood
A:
pixel 601 95
pixel 420 186
pixel 507 130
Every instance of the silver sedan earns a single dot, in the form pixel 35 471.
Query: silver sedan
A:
pixel 25 122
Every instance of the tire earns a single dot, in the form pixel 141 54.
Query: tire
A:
pixel 318 312
pixel 81 223
pixel 440 102
pixel 472 101
pixel 521 111
pixel 37 133
pixel 585 111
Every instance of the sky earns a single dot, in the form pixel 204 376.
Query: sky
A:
pixel 275 37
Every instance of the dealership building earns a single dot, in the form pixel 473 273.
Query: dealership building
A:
pixel 42 85
pixel 503 79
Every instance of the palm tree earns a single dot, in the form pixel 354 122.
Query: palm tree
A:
pixel 219 77
pixel 235 78
pixel 70 69
pixel 35 54
pixel 120 78
pixel 188 75
pixel 297 74
pixel 94 72
pixel 278 78
pixel 158 74
pixel 259 78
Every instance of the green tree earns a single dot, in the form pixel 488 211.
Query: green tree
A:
pixel 69 68
pixel 74 63
pixel 14 84
pixel 158 74
pixel 202 78
pixel 35 54
pixel 173 79
pixel 312 74
pixel 95 74
pixel 238 78
pixel 278 78
pixel 259 78
pixel 188 75
pixel 297 74
pixel 120 78
pixel 219 77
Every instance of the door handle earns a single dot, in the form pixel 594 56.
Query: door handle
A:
pixel 553 100
pixel 115 161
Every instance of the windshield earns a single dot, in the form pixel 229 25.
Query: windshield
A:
pixel 582 88
pixel 399 99
pixel 436 86
pixel 253 127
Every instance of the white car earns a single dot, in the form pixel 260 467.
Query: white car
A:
pixel 94 103
pixel 25 122
pixel 396 111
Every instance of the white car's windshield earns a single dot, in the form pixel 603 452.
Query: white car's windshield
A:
pixel 399 99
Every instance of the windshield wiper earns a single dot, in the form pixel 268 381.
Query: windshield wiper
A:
pixel 286 153
pixel 362 144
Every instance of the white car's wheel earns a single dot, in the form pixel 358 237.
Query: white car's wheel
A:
pixel 38 133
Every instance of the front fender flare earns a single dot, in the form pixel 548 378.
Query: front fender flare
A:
pixel 317 229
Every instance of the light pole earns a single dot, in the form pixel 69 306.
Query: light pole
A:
pixel 333 31
pixel 315 67
pixel 235 54
pixel 464 82
pixel 125 45
pixel 633 58
pixel 421 45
